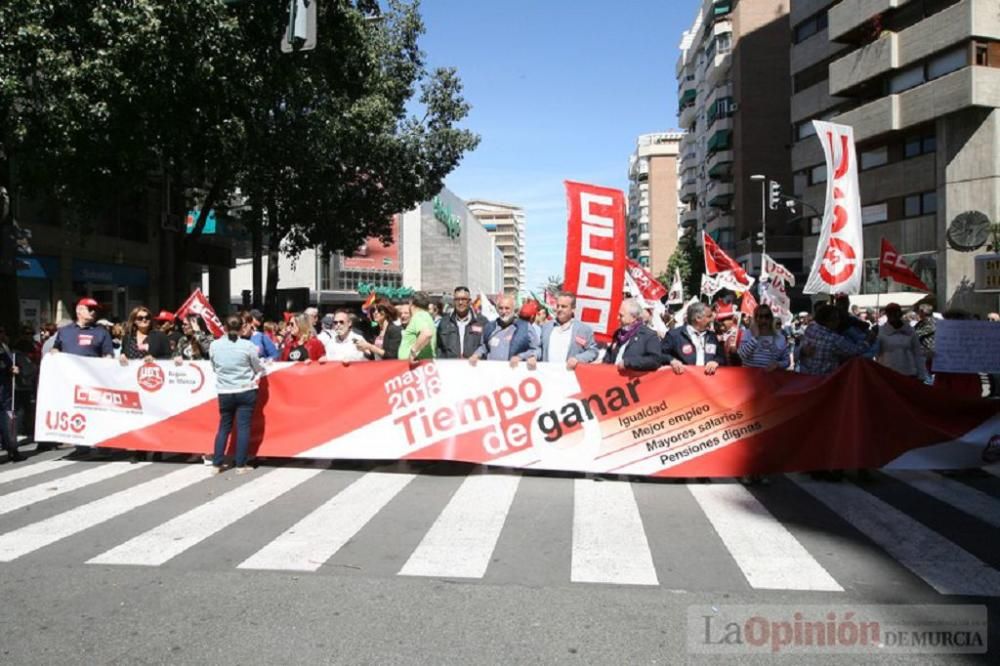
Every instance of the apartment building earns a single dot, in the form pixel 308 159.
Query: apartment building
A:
pixel 919 81
pixel 506 223
pixel 652 200
pixel 733 90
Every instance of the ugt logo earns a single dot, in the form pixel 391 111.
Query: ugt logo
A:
pixel 150 377
pixel 65 422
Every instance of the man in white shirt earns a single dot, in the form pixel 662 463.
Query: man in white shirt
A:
pixel 339 340
pixel 567 340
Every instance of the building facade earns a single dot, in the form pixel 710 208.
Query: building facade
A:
pixel 436 247
pixel 652 200
pixel 733 89
pixel 506 223
pixel 919 81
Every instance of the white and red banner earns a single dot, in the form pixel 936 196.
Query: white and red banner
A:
pixel 592 419
pixel 717 261
pixel 710 285
pixel 595 255
pixel 676 294
pixel 197 304
pixel 775 272
pixel 837 267
pixel 892 265
pixel 649 287
pixel 773 295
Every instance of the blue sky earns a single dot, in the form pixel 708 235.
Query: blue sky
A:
pixel 560 89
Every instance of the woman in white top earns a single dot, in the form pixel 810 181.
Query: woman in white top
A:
pixel 898 346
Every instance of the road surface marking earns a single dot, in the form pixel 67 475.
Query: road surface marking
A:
pixel 765 551
pixel 37 535
pixel 308 544
pixel 609 541
pixel 167 541
pixel 66 484
pixel 460 543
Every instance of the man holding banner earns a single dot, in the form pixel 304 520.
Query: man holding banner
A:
pixel 566 340
pixel 694 343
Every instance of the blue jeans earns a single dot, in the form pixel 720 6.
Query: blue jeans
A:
pixel 240 405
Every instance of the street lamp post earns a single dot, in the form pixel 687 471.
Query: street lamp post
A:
pixel 762 179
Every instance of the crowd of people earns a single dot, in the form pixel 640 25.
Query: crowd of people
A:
pixel 702 336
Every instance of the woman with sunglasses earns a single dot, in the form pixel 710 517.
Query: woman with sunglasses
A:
pixel 386 343
pixel 141 341
pixel 301 344
pixel 765 345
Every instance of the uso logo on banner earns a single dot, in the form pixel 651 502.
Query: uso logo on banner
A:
pixel 150 377
pixel 65 422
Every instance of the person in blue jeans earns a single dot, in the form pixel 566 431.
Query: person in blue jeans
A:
pixel 237 367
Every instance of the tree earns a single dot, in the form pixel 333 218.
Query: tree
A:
pixel 689 259
pixel 95 98
pixel 553 284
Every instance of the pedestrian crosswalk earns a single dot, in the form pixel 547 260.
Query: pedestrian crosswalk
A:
pixel 383 521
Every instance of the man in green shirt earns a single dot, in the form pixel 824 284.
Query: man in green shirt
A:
pixel 419 336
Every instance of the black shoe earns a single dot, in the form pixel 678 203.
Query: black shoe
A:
pixel 15 456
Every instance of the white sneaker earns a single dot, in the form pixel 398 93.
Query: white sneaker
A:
pixel 206 460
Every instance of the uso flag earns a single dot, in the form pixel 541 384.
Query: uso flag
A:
pixel 837 267
pixel 595 255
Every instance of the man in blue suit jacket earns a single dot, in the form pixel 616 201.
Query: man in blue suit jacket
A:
pixel 694 343
pixel 567 340
pixel 507 338
pixel 635 346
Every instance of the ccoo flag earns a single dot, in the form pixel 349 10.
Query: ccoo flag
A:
pixel 892 265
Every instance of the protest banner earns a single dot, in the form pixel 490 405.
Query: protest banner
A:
pixel 593 419
pixel 966 346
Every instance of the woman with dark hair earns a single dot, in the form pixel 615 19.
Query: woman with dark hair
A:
pixel 237 367
pixel 193 345
pixel 385 346
pixel 764 345
pixel 141 341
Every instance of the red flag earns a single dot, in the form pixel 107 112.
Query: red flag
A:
pixel 649 287
pixel 892 265
pixel 748 305
pixel 197 304
pixel 717 261
pixel 595 254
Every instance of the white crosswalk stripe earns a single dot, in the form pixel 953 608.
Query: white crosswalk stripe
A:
pixel 172 538
pixel 308 544
pixel 462 539
pixel 609 540
pixel 767 553
pixel 969 500
pixel 48 489
pixel 33 469
pixel 30 538
pixel 943 565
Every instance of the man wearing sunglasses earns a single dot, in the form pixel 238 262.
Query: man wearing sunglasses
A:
pixel 340 342
pixel 82 337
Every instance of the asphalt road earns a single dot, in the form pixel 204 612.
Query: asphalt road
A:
pixel 104 562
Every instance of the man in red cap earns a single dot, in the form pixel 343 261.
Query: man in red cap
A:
pixel 82 337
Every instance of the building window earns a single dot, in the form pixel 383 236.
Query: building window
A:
pixel 906 79
pixel 982 55
pixel 875 213
pixel 919 145
pixel 923 203
pixel 947 63
pixel 875 157
pixel 810 26
pixel 817 175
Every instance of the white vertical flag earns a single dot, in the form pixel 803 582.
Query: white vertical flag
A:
pixel 837 267
pixel 676 294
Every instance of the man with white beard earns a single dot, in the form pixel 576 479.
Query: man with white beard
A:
pixel 508 338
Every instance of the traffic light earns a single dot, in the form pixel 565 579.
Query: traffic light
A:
pixel 773 194
pixel 301 32
pixel 760 238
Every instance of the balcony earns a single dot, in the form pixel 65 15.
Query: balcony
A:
pixel 644 237
pixel 689 218
pixel 721 140
pixel 687 116
pixel 720 195
pixel 689 190
pixel 720 164
pixel 718 68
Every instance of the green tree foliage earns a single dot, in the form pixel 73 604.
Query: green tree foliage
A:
pixel 689 258
pixel 325 144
